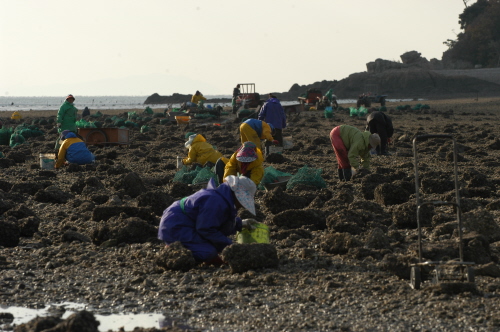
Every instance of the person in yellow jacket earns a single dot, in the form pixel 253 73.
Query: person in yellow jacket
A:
pixel 247 161
pixel 253 130
pixel 195 99
pixel 16 116
pixel 200 151
pixel 73 150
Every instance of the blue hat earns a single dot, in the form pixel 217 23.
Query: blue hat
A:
pixel 64 133
pixel 270 125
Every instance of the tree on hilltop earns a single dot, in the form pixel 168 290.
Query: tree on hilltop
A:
pixel 479 43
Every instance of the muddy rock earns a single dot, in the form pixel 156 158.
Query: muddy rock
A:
pixel 345 194
pixel 339 243
pixel 17 156
pixel 124 230
pixel 158 201
pixel 405 215
pixel 482 222
pixel 175 257
pixel 476 248
pixel 345 221
pixel 179 190
pixel 20 212
pixel 275 158
pixel 389 194
pixel 30 188
pixel 70 236
pixel 299 218
pixel 244 257
pixel 52 194
pixel 377 239
pixel 106 212
pixel 91 181
pixel 452 288
pixel 39 324
pixel 6 163
pixel 131 184
pixel 4 206
pixel 491 270
pixel 370 182
pixel 398 265
pixel 278 201
pixel 9 233
pixel 28 226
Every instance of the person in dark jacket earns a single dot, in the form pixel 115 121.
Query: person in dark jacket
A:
pixel 73 150
pixel 203 221
pixel 273 113
pixel 381 124
pixel 86 112
pixel 236 93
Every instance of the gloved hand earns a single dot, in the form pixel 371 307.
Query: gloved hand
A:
pixel 353 172
pixel 249 223
pixel 276 142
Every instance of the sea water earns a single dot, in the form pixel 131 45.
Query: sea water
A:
pixel 107 321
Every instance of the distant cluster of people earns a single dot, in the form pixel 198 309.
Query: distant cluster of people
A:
pixel 203 222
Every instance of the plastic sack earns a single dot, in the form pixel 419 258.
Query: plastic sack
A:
pixel 5 134
pixel 132 115
pixel 148 110
pixel 16 139
pixel 353 111
pixel 362 111
pixel 328 112
pixel 185 175
pixel 145 129
pixel 204 175
pixel 307 176
pixel 96 114
pixel 271 175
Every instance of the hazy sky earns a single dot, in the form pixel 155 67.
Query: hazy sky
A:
pixel 131 47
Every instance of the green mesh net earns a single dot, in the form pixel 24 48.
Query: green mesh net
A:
pixel 132 115
pixel 185 175
pixel 131 124
pixel 272 175
pixel 307 176
pixel 16 139
pixel 5 134
pixel 204 175
pixel 164 121
pixel 119 123
pixel 145 129
pixel 196 176
pixel 96 115
pixel 148 110
pixel 85 124
pixel 28 131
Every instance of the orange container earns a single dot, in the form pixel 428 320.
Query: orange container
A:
pixel 182 119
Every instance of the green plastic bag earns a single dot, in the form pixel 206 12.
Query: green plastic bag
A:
pixel 148 110
pixel 353 111
pixel 16 139
pixel 204 175
pixel 96 114
pixel 362 111
pixel 145 129
pixel 328 112
pixel 5 134
pixel 307 176
pixel 271 175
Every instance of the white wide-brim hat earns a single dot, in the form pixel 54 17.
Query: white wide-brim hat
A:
pixel 244 189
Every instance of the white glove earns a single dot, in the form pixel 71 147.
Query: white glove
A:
pixel 248 223
pixel 353 172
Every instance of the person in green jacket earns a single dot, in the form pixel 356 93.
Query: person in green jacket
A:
pixel 349 143
pixel 66 118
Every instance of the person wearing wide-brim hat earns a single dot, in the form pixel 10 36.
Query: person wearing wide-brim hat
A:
pixel 203 221
pixel 247 161
pixel 349 144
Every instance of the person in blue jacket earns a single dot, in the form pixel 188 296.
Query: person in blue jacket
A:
pixel 73 150
pixel 203 221
pixel 273 113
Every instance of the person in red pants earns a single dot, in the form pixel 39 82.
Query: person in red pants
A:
pixel 350 143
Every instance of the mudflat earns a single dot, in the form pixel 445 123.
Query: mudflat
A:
pixel 87 234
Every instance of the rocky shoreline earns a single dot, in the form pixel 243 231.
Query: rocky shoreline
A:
pixel 87 234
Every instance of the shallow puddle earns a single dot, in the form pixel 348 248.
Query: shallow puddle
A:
pixel 107 322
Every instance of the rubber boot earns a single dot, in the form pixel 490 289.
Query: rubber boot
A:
pixel 217 261
pixel 219 169
pixel 341 174
pixel 347 174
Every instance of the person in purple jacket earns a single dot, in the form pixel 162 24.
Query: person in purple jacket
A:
pixel 203 221
pixel 273 113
